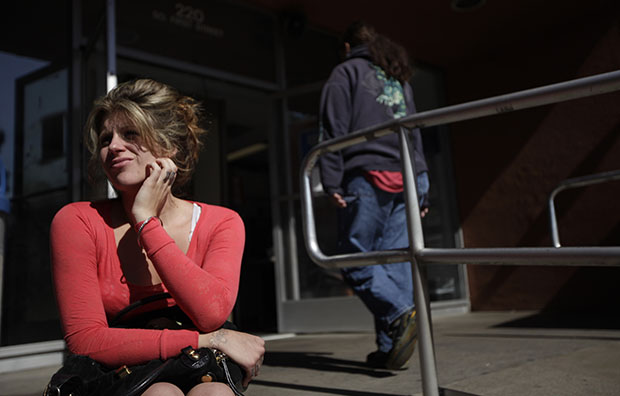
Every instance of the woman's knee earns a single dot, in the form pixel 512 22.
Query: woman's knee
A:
pixel 211 389
pixel 163 389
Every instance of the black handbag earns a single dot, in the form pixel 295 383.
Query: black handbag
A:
pixel 83 376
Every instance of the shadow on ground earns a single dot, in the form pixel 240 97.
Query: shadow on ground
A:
pixel 566 320
pixel 321 390
pixel 322 362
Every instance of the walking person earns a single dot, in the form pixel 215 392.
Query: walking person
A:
pixel 365 182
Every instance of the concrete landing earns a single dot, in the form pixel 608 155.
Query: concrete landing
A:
pixel 487 354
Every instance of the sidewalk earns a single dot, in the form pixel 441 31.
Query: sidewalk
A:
pixel 504 353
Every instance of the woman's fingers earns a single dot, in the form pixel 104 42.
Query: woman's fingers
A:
pixel 259 350
pixel 156 189
pixel 162 170
pixel 169 170
pixel 257 366
pixel 152 170
pixel 245 349
pixel 170 176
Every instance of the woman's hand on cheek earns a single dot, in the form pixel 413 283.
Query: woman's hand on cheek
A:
pixel 155 190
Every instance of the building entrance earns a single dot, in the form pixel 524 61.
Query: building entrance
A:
pixel 260 86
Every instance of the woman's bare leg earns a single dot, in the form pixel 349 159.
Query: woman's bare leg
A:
pixel 163 389
pixel 211 389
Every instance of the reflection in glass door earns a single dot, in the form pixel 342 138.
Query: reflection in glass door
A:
pixel 41 188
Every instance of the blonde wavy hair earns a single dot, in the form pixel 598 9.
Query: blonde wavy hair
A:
pixel 167 122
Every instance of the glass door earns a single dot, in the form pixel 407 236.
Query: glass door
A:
pixel 41 188
pixel 311 298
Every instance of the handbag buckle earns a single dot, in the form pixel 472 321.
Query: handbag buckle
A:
pixel 219 355
pixel 122 371
pixel 193 354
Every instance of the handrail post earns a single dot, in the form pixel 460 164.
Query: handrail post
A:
pixel 428 368
pixel 553 222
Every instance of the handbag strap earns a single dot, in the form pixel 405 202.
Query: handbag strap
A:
pixel 146 300
pixel 231 382
pixel 147 380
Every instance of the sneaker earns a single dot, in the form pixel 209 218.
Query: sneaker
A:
pixel 404 334
pixel 377 359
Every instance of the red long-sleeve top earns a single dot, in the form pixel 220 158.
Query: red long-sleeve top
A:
pixel 90 286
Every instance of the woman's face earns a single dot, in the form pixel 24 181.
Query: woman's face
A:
pixel 123 156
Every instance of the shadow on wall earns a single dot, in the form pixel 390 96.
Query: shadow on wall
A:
pixel 508 164
pixel 590 216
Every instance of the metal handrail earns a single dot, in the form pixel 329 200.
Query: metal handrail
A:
pixel 417 253
pixel 574 183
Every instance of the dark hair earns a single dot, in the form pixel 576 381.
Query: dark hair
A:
pixel 385 53
pixel 167 121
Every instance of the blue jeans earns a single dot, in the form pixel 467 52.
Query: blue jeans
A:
pixel 376 220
